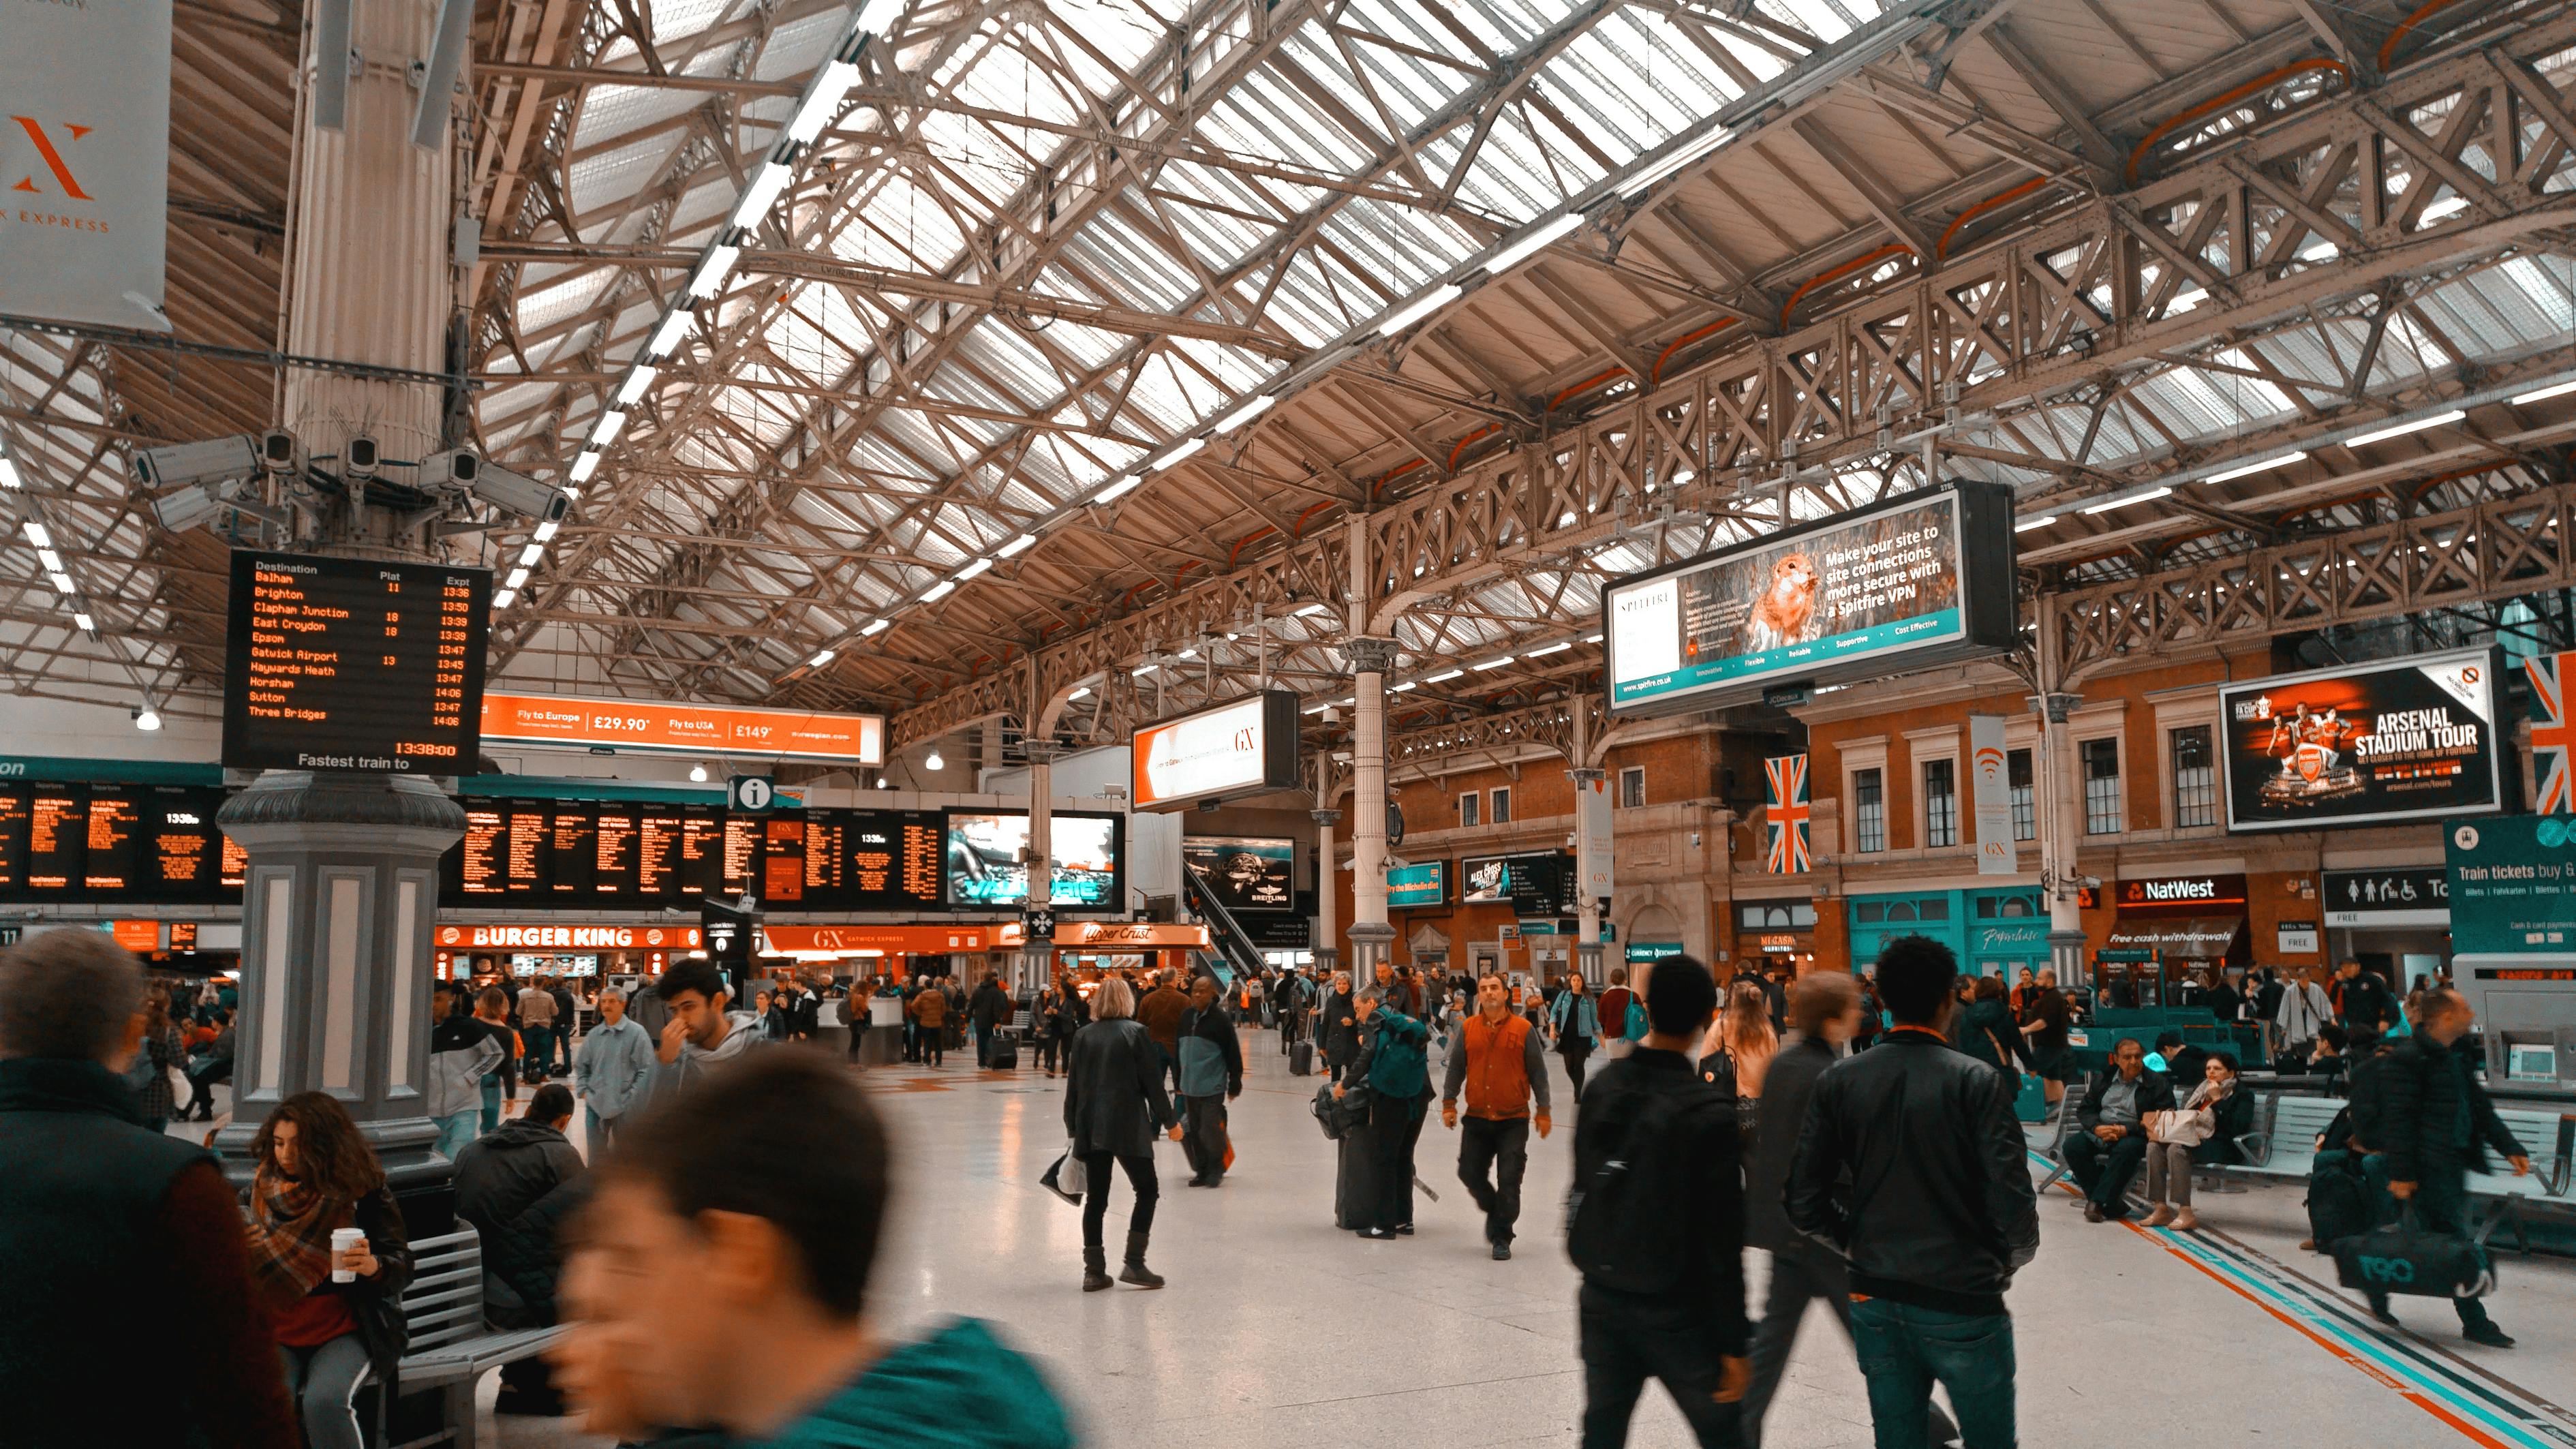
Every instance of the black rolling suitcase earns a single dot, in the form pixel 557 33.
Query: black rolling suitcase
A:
pixel 1301 1059
pixel 1005 1053
pixel 1355 1180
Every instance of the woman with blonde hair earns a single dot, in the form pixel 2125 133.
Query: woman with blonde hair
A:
pixel 1114 1103
pixel 1741 1045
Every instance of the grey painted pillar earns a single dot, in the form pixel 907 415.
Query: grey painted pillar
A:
pixel 1372 939
pixel 338 900
pixel 1037 912
pixel 2061 825
pixel 1328 933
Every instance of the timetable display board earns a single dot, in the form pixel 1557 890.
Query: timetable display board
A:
pixel 602 854
pixel 154 844
pixel 354 664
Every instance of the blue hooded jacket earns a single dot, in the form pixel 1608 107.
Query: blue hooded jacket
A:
pixel 960 1388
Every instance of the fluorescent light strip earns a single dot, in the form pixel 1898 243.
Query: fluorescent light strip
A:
pixel 1541 652
pixel 938 591
pixel 710 275
pixel 878 627
pixel 2247 470
pixel 583 467
pixel 1311 610
pixel 2402 429
pixel 1245 414
pixel 821 99
pixel 49 560
pixel 821 658
pixel 637 383
pixel 1676 161
pixel 2560 389
pixel 1419 308
pixel 667 338
pixel 2125 502
pixel 1532 241
pixel 518 579
pixel 504 598
pixel 762 192
pixel 1117 490
pixel 9 475
pixel 63 584
pixel 1017 546
pixel 2027 524
pixel 1492 663
pixel 547 530
pixel 37 535
pixel 1177 455
pixel 610 424
pixel 972 570
pixel 1082 692
pixel 1141 670
pixel 87 624
pixel 532 555
pixel 1401 688
pixel 1446 674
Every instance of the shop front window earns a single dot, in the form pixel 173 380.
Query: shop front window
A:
pixel 2102 787
pixel 1869 811
pixel 1940 803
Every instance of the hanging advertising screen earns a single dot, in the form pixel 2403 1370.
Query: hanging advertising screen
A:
pixel 1245 875
pixel 1922 579
pixel 1538 884
pixel 660 727
pixel 2408 739
pixel 1425 883
pixel 987 859
pixel 1244 747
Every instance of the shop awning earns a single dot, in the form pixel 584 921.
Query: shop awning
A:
pixel 2195 938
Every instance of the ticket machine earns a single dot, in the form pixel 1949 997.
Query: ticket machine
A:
pixel 2526 1007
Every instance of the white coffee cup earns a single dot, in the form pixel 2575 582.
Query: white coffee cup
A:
pixel 342 1240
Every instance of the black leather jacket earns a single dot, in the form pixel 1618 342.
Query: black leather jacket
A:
pixel 1940 1210
pixel 1113 1089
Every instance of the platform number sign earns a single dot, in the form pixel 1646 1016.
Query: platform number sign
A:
pixel 753 793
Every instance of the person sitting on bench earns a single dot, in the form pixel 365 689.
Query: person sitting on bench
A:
pixel 2110 1143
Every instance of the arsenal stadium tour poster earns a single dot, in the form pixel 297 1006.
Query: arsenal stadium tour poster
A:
pixel 2398 740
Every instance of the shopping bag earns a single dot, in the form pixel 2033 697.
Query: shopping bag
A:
pixel 1064 1178
pixel 2407 1260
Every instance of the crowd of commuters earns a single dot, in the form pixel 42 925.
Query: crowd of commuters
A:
pixel 1861 1129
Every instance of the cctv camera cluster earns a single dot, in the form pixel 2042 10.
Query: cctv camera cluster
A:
pixel 213 483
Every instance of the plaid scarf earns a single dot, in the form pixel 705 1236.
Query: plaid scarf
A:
pixel 290 1237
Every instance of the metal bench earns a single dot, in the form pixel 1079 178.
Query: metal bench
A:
pixel 2285 1146
pixel 450 1346
pixel 2547 1137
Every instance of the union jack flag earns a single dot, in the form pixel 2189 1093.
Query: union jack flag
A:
pixel 2553 733
pixel 1784 808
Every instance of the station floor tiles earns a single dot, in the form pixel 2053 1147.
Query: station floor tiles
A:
pixel 1278 1329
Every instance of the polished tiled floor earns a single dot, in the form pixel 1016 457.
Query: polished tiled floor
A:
pixel 1279 1330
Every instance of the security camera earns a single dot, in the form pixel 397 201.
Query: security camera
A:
pixel 2092 882
pixel 182 509
pixel 280 453
pixel 516 492
pixel 211 461
pixel 457 467
pixel 361 457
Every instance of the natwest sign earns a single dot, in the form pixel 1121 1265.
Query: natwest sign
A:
pixel 574 938
pixel 2186 892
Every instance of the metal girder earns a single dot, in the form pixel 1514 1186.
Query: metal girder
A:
pixel 2081 299
pixel 1418 751
pixel 2484 554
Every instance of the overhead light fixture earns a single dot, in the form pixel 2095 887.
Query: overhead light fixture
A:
pixel 2125 502
pixel 1187 654
pixel 1117 490
pixel 1401 688
pixel 2248 470
pixel 884 784
pixel 2541 395
pixel 49 560
pixel 1419 308
pixel 1017 546
pixel 1246 413
pixel 147 719
pixel 821 658
pixel 1492 663
pixel 878 627
pixel 637 381
pixel 504 598
pixel 932 761
pixel 36 534
pixel 972 569
pixel 938 591
pixel 9 475
pixel 1141 670
pixel 1532 241
pixel 63 584
pixel 582 468
pixel 2027 524
pixel 761 193
pixel 667 338
pixel 1591 638
pixel 1319 706
pixel 1311 610
pixel 2402 429
pixel 2442 210
pixel 1177 455
pixel 1081 692
pixel 1682 156
pixel 532 555
pixel 1559 647
pixel 546 531
pixel 1445 674
pixel 711 273
pixel 87 624
pixel 610 424
pixel 822 98
pixel 698 773
pixel 518 579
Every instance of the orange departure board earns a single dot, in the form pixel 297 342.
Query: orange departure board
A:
pixel 354 664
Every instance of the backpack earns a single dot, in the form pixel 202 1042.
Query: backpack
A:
pixel 1620 1228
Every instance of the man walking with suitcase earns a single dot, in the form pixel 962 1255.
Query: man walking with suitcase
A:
pixel 1211 1075
pixel 1498 1062
pixel 2435 1122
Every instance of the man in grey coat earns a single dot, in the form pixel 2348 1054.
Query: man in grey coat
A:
pixel 611 1071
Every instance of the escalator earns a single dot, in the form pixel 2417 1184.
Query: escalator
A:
pixel 1234 955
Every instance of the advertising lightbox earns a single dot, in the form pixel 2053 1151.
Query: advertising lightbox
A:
pixel 1246 746
pixel 2406 739
pixel 687 729
pixel 1425 883
pixel 1245 875
pixel 987 859
pixel 1922 579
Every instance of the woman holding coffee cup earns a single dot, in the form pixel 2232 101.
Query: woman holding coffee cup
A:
pixel 329 1254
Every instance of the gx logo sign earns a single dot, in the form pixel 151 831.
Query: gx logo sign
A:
pixel 53 158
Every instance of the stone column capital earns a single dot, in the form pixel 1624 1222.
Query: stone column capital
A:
pixel 1326 818
pixel 1369 655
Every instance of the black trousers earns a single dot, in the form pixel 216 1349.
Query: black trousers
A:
pixel 1203 1134
pixel 1574 1070
pixel 1498 1146
pixel 2441 1205
pixel 1797 1278
pixel 1395 1123
pixel 1095 1196
pixel 933 1053
pixel 2103 1169
pixel 1628 1340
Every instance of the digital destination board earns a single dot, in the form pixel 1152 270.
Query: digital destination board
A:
pixel 1922 579
pixel 611 855
pixel 2405 739
pixel 115 843
pixel 354 664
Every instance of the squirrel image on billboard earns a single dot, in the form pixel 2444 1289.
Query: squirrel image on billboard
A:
pixel 1786 612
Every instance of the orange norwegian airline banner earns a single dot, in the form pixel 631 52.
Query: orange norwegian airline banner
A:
pixel 628 724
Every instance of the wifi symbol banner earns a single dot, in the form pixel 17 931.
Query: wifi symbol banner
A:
pixel 1990 784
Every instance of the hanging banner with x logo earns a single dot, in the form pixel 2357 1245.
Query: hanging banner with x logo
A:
pixel 85 160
